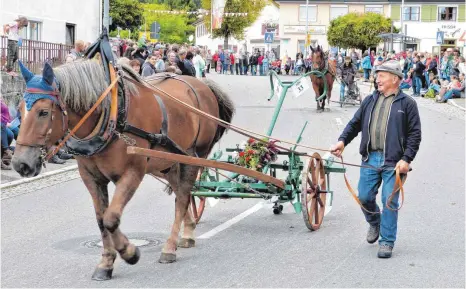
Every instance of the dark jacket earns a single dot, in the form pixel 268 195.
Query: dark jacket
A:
pixel 403 135
pixel 148 69
pixel 419 70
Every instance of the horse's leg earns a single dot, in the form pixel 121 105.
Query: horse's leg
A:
pixel 97 187
pixel 181 180
pixel 187 239
pixel 124 191
pixel 317 91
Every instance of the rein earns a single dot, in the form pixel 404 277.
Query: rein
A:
pixel 254 135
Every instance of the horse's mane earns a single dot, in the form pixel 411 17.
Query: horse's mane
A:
pixel 81 83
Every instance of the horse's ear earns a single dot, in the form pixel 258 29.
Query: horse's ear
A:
pixel 47 74
pixel 312 48
pixel 319 48
pixel 25 72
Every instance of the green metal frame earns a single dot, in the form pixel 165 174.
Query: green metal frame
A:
pixel 211 185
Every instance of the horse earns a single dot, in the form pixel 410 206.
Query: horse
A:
pixel 61 96
pixel 327 67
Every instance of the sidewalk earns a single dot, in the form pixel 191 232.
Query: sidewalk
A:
pixel 12 175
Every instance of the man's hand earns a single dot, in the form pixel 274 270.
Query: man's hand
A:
pixel 337 149
pixel 403 166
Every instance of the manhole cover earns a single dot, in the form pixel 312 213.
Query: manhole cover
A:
pixel 138 242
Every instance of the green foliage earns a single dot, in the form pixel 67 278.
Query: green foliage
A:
pixel 236 25
pixel 356 30
pixel 174 28
pixel 125 14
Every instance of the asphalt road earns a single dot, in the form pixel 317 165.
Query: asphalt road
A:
pixel 49 235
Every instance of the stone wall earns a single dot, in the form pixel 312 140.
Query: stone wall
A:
pixel 12 89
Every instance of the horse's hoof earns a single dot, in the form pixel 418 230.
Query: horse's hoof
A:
pixel 101 274
pixel 187 243
pixel 166 258
pixel 135 258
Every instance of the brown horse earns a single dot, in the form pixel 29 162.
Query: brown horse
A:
pixel 321 63
pixel 79 85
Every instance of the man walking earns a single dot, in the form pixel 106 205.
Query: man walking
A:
pixel 391 134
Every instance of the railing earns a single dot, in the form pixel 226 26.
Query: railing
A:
pixel 34 54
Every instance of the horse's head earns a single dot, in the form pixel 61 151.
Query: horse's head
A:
pixel 318 58
pixel 42 124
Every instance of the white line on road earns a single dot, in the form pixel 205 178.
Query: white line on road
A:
pixel 338 120
pixel 232 221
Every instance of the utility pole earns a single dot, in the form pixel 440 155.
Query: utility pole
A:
pixel 307 29
pixel 107 14
pixel 402 14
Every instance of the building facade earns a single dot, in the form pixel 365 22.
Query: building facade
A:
pixel 320 13
pixel 57 21
pixel 423 19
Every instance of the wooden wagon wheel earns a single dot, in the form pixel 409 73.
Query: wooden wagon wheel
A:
pixel 314 193
pixel 197 210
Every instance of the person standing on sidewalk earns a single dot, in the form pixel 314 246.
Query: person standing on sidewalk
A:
pixel 12 30
pixel 390 129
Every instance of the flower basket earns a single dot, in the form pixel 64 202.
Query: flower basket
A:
pixel 257 154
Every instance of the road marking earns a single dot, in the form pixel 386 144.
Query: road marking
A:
pixel 232 221
pixel 338 120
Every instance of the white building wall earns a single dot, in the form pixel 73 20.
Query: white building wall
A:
pixel 54 15
pixel 426 32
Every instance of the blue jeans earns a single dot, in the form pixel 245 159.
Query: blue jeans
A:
pixel 366 73
pixel 418 86
pixel 7 136
pixel 253 69
pixel 342 91
pixel 225 68
pixel 261 69
pixel 426 75
pixel 404 85
pixel 369 183
pixel 451 93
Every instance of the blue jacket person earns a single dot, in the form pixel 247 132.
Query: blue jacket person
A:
pixel 390 129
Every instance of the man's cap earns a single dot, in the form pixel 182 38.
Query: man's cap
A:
pixel 391 66
pixel 22 19
pixel 347 58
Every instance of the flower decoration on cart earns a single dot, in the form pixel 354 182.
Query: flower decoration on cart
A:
pixel 255 155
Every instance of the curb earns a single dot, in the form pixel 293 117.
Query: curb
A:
pixel 39 177
pixel 452 102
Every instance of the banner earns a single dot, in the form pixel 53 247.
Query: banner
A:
pixel 217 13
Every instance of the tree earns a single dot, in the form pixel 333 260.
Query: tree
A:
pixel 174 28
pixel 236 25
pixel 357 30
pixel 125 14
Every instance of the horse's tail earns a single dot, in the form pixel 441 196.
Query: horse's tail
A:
pixel 226 107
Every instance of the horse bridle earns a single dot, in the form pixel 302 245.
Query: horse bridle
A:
pixel 59 102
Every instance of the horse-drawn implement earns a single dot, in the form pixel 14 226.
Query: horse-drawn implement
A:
pixel 305 185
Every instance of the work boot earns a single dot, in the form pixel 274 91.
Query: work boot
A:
pixel 385 251
pixel 373 233
pixel 56 160
pixel 63 155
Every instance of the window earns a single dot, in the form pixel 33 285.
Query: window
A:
pixel 447 13
pixel 374 8
pixel 33 31
pixel 311 10
pixel 302 45
pixel 337 11
pixel 70 34
pixel 411 13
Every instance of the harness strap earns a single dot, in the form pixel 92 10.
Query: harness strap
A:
pixel 157 139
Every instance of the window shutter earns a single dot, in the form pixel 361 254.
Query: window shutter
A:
pixel 396 12
pixel 263 29
pixel 461 13
pixel 428 13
